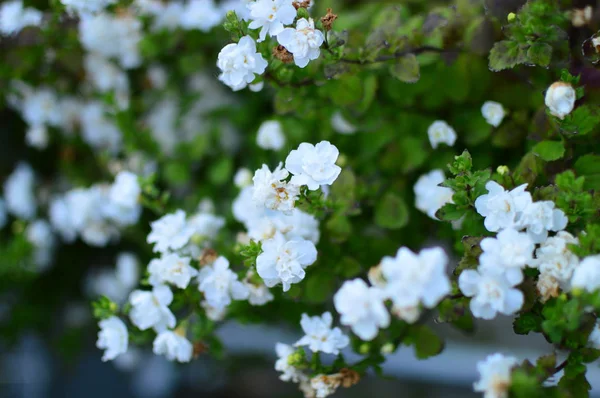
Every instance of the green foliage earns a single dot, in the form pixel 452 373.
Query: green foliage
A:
pixel 104 308
pixel 549 150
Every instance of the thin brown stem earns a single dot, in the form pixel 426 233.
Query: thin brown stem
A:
pixel 398 54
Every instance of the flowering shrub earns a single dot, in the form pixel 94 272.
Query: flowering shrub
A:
pixel 354 172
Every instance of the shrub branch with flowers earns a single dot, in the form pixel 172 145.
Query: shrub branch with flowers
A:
pixel 358 168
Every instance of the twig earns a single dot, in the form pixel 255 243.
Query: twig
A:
pixel 385 58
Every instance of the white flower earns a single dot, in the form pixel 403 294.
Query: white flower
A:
pixel 168 16
pixel 112 337
pixel 500 207
pixel 171 231
pixel 150 309
pixel 173 346
pixel 324 385
pixel 245 209
pixel 429 195
pixel 257 87
pixel 594 339
pixel 270 16
pixel 220 284
pixel 560 99
pixel 554 258
pixel 239 62
pixel 258 294
pixel 289 373
pixel 304 41
pixel 270 135
pixel 41 107
pixel 283 261
pixel 98 130
pixel 493 112
pixel 492 292
pixel 547 286
pixel 158 77
pixel 171 268
pixel 313 165
pixel 201 14
pixel 107 77
pixel 14 17
pixel 412 278
pixel 587 274
pixel 541 217
pixel 213 313
pixel 19 192
pixel 510 251
pixel 87 6
pixel 272 192
pixel 126 189
pixel 320 337
pixel 441 132
pixel 341 125
pixel 361 307
pixel 40 235
pixel 495 376
pixel 242 178
pixel 37 137
pixel 127 270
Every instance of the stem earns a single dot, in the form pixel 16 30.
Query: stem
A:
pixel 384 58
pixel 560 367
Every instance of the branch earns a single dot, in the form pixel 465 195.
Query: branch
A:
pixel 399 54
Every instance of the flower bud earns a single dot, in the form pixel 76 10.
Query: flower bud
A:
pixel 502 170
pixel 387 348
pixel 560 99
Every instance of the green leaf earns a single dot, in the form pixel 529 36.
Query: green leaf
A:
pixel 319 287
pixel 589 166
pixel 450 212
pixel 540 54
pixel 506 54
pixel 426 342
pixel 526 323
pixel 345 91
pixel 391 212
pixel 339 227
pixel 406 69
pixel 343 192
pixel 549 150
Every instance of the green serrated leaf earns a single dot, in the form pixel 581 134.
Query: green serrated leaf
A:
pixel 406 69
pixel 549 150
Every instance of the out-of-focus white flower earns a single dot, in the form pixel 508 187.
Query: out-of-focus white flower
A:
pixel 289 372
pixel 324 385
pixel 127 270
pixel 173 346
pixel 582 16
pixel 170 232
pixel 270 16
pixel 429 195
pixel 171 268
pixel 283 261
pixel 239 62
pixel 491 292
pixel 242 178
pixel 493 112
pixel 272 192
pixel 258 293
pixel 19 192
pixel 157 75
pixel 201 14
pixel 560 99
pixel 107 77
pixel 168 16
pixel 320 336
pixel 361 307
pixel 87 6
pixel 41 107
pixel 510 251
pixel 303 41
pixel 441 132
pixel 112 337
pixel 97 129
pixel 554 258
pixel 220 284
pixel 541 217
pixel 587 275
pixel 495 376
pixel 14 17
pixel 594 339
pixel 37 137
pixel 270 135
pixel 500 207
pixel 125 191
pixel 39 234
pixel 213 313
pixel 341 125
pixel 149 309
pixel 313 165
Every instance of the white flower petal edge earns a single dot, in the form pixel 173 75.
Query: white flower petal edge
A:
pixel 313 165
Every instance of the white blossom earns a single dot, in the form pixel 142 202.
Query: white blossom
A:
pixel 272 191
pixel 168 16
pixel 125 191
pixel 500 207
pixel 242 178
pixel 283 261
pixel 37 137
pixel 495 376
pixel 39 234
pixel 320 336
pixel 412 279
pixel 220 284
pixel 270 135
pixel 493 112
pixel 541 217
pixel 40 107
pixel 361 307
pixel 258 293
pixel 324 385
pixel 429 195
pixel 201 14
pixel 313 165
pixel 560 99
pixel 303 41
pixel 127 270
pixel 19 192
pixel 441 132
pixel 107 77
pixel 491 292
pixel 289 372
pixel 170 232
pixel 97 129
pixel 554 258
pixel 594 339
pixel 171 268
pixel 547 286
pixel 341 125
pixel 149 309
pixel 213 313
pixel 510 251
pixel 239 62
pixel 173 346
pixel 587 275
pixel 270 16
pixel 14 17
pixel 157 75
pixel 112 337
pixel 87 6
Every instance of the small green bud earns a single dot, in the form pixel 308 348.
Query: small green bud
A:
pixel 511 17
pixel 502 170
pixel 303 13
pixel 296 359
pixel 387 348
pixel 364 348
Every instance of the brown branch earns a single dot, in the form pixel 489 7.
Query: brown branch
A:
pixel 385 58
